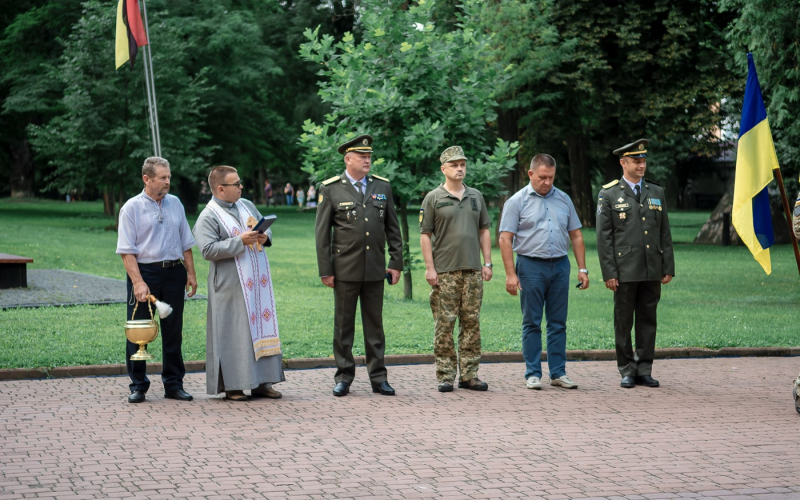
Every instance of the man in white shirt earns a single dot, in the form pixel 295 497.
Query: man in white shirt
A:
pixel 155 244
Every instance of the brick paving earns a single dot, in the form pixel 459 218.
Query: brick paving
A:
pixel 721 428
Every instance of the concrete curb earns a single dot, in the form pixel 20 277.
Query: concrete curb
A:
pixel 402 359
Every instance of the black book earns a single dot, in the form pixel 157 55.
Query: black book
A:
pixel 264 223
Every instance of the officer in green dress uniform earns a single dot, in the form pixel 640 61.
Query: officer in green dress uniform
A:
pixel 356 220
pixel 635 249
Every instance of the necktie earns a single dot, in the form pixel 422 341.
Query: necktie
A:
pixel 637 191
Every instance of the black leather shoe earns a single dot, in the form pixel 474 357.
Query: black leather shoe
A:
pixel 445 387
pixel 647 380
pixel 341 389
pixel 180 395
pixel 384 388
pixel 136 397
pixel 628 382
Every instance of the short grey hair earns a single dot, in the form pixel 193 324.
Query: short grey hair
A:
pixel 149 167
pixel 543 159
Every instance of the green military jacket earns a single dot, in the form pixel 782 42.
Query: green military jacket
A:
pixel 634 242
pixel 352 231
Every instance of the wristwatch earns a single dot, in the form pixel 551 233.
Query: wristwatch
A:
pixel 488 264
pixel 584 271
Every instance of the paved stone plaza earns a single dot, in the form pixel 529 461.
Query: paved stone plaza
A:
pixel 56 287
pixel 720 428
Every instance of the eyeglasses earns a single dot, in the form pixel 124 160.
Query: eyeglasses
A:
pixel 234 184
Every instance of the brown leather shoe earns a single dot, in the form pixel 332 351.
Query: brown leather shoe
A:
pixel 266 391
pixel 474 384
pixel 235 396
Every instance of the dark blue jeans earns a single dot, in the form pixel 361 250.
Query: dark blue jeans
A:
pixel 167 285
pixel 545 289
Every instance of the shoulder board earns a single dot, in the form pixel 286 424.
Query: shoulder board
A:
pixel 331 180
pixel 611 184
pixel 652 182
pixel 384 179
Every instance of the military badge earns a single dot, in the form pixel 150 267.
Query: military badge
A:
pixel 623 216
pixel 797 210
pixel 421 213
pixel 622 205
pixel 621 199
pixel 320 199
pixel 380 197
pixel 474 203
pixel 599 208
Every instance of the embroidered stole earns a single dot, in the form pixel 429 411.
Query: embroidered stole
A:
pixel 256 282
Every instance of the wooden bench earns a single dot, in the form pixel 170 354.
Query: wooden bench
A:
pixel 13 271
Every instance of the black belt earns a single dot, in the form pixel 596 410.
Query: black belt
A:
pixel 164 264
pixel 540 259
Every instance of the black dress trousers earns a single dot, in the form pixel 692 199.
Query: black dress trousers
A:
pixel 167 285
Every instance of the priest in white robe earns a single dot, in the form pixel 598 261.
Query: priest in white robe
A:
pixel 243 350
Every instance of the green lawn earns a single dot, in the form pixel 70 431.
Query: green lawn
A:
pixel 720 296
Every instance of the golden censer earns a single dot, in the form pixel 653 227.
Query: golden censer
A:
pixel 141 332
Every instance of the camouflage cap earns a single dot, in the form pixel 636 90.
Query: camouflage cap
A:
pixel 361 144
pixel 637 149
pixel 452 153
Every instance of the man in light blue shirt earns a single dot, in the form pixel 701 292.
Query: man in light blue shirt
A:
pixel 155 243
pixel 538 224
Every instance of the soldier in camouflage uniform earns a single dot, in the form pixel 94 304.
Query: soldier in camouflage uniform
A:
pixel 454 231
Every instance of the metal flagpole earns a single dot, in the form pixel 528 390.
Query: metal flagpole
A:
pixel 151 88
pixel 149 106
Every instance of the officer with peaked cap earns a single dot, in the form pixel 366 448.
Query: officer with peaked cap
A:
pixel 356 220
pixel 635 249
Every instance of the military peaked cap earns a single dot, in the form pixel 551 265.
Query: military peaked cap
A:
pixel 453 153
pixel 636 149
pixel 361 144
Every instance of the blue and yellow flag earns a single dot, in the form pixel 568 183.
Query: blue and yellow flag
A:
pixel 755 161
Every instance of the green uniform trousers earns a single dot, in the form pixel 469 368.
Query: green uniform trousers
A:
pixel 458 296
pixel 637 299
pixel 347 294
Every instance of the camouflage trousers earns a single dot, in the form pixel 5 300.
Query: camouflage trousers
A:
pixel 458 296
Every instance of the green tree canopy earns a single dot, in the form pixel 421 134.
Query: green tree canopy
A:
pixel 416 90
pixel 102 136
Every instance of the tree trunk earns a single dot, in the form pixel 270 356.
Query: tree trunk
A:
pixel 407 285
pixel 108 202
pixel 581 178
pixel 712 231
pixel 21 181
pixel 121 203
pixel 262 176
pixel 189 195
pixel 508 130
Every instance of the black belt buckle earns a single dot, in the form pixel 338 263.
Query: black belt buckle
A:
pixel 170 263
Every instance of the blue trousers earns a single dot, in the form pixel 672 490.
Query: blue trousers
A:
pixel 545 289
pixel 168 285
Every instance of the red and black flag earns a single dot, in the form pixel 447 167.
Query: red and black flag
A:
pixel 130 32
